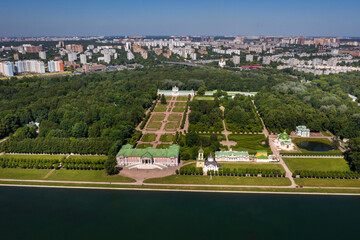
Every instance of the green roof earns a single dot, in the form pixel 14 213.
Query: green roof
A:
pixel 284 136
pixel 201 150
pixel 261 151
pixel 230 153
pixel 128 151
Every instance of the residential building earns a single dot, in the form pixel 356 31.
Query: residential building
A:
pixel 236 60
pixel 42 55
pixel 249 58
pixel 7 69
pixel 72 57
pixel 107 58
pixel 130 55
pixel 83 58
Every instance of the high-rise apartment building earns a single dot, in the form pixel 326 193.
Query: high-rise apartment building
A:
pixel 42 55
pixel 83 58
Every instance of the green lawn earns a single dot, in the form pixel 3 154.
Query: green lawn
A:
pixel 154 125
pixel 181 98
pixel 163 146
pixel 162 104
pixel 158 117
pixel 167 138
pixel 160 109
pixel 148 137
pixel 144 145
pixel 20 173
pixel 33 156
pixel 204 98
pixel 178 109
pixel 317 164
pixel 168 98
pixel 174 117
pixel 219 136
pixel 86 175
pixel 316 182
pixel 171 125
pixel 249 142
pixel 180 104
pixel 218 180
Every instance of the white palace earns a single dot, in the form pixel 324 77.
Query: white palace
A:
pixel 175 92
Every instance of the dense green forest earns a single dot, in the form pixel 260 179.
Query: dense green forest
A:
pixel 205 116
pixel 289 104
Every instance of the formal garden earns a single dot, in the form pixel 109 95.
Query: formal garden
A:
pixel 250 142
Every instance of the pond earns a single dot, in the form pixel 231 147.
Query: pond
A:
pixel 314 146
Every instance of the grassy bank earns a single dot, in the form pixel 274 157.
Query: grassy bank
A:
pixel 218 180
pixel 317 182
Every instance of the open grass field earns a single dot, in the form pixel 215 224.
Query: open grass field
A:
pixel 181 98
pixel 218 180
pixel 33 156
pixel 168 98
pixel 219 136
pixel 148 137
pixel 316 182
pixel 167 138
pixel 157 117
pixel 163 146
pixel 85 175
pixel 20 173
pixel 160 109
pixel 204 98
pixel 249 142
pixel 154 125
pixel 144 145
pixel 172 125
pixel 178 109
pixel 317 164
pixel 180 104
pixel 174 117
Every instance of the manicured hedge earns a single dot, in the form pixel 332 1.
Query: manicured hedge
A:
pixel 57 145
pixel 326 174
pixel 29 163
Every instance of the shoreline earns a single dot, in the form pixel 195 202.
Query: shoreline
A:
pixel 176 190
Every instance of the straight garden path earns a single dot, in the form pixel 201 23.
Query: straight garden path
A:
pixel 226 133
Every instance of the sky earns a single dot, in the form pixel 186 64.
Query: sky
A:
pixel 179 17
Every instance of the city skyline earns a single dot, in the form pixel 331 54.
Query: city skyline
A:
pixel 113 18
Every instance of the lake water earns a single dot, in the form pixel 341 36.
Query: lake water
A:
pixel 44 213
pixel 314 146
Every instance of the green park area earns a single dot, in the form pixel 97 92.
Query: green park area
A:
pixel 163 146
pixel 180 104
pixel 154 125
pixel 249 142
pixel 327 182
pixel 178 109
pixel 86 175
pixel 204 98
pixel 317 164
pixel 181 98
pixel 174 117
pixel 167 138
pixel 148 137
pixel 168 98
pixel 61 175
pixel 220 137
pixel 172 125
pixel 157 117
pixel 143 145
pixel 160 109
pixel 32 156
pixel 220 180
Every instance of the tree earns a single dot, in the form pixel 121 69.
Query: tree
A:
pixel 201 90
pixel 79 130
pixel 163 99
pixel 110 166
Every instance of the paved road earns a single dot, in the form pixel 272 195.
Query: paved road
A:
pixel 173 185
